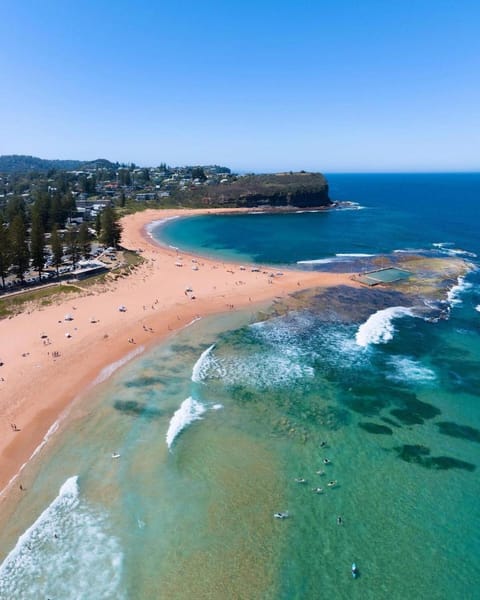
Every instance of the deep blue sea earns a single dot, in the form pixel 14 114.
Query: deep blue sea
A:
pixel 344 408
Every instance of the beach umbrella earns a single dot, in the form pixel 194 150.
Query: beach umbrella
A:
pixel 68 317
pixel 122 308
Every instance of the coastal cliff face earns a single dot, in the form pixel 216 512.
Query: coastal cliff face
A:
pixel 297 190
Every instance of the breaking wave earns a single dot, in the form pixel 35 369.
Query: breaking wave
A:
pixel 190 410
pixel 454 293
pixel 353 255
pixel 66 553
pixel 338 258
pixel 316 261
pixel 378 328
pixel 199 368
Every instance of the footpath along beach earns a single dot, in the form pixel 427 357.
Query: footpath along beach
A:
pixel 48 360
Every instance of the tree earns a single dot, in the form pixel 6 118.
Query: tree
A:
pixel 19 246
pixel 5 261
pixel 98 224
pixel 55 216
pixel 84 240
pixel 124 177
pixel 111 228
pixel 198 173
pixel 73 247
pixel 57 248
pixel 68 206
pixel 37 242
pixel 16 206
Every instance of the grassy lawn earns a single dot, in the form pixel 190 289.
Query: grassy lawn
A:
pixel 14 305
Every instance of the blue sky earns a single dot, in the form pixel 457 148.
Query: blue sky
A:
pixel 342 85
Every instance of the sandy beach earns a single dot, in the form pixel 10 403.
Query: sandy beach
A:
pixel 44 369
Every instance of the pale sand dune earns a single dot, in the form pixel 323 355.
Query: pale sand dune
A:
pixel 37 388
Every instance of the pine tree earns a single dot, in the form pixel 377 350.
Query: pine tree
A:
pixel 72 245
pixel 5 261
pixel 84 240
pixel 111 228
pixel 19 246
pixel 37 242
pixel 57 248
pixel 98 224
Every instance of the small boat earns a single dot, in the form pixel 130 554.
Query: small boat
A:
pixel 326 461
pixel 332 483
pixel 300 480
pixel 320 472
pixel 354 571
pixel 281 515
pixel 317 490
pixel 115 455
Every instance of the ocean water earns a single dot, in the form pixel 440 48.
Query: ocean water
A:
pixel 217 428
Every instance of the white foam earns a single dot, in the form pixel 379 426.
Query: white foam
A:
pixel 454 293
pixel 281 362
pixel 316 261
pixel 217 406
pixel 378 328
pixel 108 371
pixel 154 224
pixel 408 369
pixel 409 250
pixel 198 371
pixel 66 554
pixel 441 244
pixel 354 255
pixel 477 308
pixel 339 257
pixel 458 252
pixel 190 410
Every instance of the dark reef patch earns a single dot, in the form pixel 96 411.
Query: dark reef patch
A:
pixel 368 406
pixel 422 409
pixel 420 455
pixel 390 422
pixel 375 428
pixel 463 432
pixel 144 381
pixel 412 411
pixel 185 349
pixel 349 304
pixel 137 409
pixel 407 417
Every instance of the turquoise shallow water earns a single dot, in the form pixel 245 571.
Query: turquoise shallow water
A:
pixel 393 397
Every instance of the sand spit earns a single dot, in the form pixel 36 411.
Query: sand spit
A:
pixel 44 369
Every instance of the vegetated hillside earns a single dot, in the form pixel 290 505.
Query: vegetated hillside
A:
pixel 301 190
pixel 19 163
